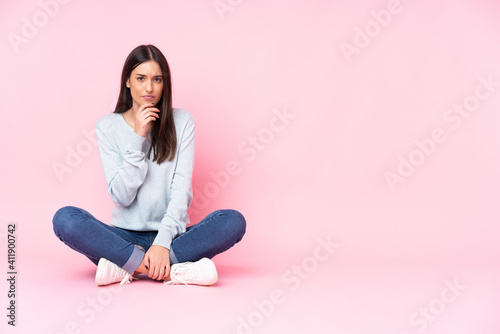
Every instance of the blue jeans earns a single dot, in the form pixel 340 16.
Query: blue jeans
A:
pixel 82 232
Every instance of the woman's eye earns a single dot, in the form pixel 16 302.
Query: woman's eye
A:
pixel 140 78
pixel 158 79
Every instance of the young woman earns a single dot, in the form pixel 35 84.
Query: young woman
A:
pixel 147 153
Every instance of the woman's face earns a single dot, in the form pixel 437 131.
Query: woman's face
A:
pixel 146 83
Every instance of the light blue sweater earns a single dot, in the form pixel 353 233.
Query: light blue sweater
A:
pixel 147 196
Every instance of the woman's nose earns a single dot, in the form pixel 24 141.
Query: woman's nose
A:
pixel 149 86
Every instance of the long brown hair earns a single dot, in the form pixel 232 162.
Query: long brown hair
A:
pixel 164 138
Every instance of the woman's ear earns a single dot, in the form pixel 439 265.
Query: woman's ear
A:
pixel 127 83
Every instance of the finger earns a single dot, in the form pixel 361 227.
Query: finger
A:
pixel 156 272
pixel 166 272
pixel 145 120
pixel 148 108
pixel 147 116
pixel 161 273
pixel 146 105
pixel 151 270
pixel 154 115
pixel 151 111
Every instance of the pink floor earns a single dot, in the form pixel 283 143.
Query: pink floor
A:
pixel 324 297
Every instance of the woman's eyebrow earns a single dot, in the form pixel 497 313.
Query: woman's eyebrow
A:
pixel 144 75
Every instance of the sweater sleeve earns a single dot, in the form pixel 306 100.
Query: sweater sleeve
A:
pixel 175 219
pixel 125 169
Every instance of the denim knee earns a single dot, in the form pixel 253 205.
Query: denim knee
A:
pixel 62 223
pixel 236 223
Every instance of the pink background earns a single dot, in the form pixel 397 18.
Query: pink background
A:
pixel 321 173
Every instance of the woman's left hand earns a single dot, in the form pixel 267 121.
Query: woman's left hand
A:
pixel 157 260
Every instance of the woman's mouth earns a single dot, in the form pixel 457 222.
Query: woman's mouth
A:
pixel 148 97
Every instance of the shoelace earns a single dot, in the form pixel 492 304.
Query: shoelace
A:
pixel 129 278
pixel 180 269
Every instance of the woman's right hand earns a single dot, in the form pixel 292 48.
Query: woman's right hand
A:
pixel 147 113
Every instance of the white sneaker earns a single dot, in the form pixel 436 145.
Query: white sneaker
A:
pixel 108 272
pixel 202 272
